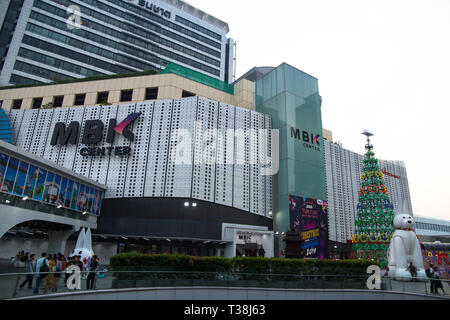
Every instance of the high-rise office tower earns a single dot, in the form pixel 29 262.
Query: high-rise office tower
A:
pixel 53 40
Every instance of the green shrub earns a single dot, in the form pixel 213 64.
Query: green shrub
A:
pixel 166 262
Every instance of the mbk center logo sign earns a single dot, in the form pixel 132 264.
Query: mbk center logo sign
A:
pixel 310 141
pixel 93 134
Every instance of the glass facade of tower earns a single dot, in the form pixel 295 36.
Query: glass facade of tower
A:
pixel 57 40
pixel 291 97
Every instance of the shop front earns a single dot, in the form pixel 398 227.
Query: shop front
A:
pixel 247 241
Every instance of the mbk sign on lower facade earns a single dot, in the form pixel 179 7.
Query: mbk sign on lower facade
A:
pixel 93 134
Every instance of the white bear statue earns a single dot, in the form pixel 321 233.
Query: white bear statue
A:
pixel 404 249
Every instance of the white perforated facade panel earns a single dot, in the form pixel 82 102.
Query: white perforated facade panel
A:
pixel 203 178
pixel 82 164
pixel 137 161
pixel 100 165
pixel 225 155
pixel 257 181
pixel 267 163
pixel 180 157
pixel 41 130
pixel 27 127
pixel 67 153
pixel 117 171
pixel 15 118
pixel 241 193
pixel 158 149
pixel 186 148
pixel 52 152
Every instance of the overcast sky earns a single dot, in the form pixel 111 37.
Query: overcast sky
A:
pixel 382 65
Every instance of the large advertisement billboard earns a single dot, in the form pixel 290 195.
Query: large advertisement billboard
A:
pixel 309 217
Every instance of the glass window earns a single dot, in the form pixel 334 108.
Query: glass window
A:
pixel 165 249
pixel 63 192
pixel 17 104
pixel 55 190
pixel 198 27
pixel 68 194
pixel 151 93
pixel 21 178
pixel 126 95
pixel 79 99
pixel 10 175
pixel 39 71
pixel 82 199
pixel 30 181
pixel 40 176
pixel 186 94
pixel 102 97
pixel 74 196
pixel 138 42
pixel 90 199
pixel 97 202
pixel 49 190
pixel 15 79
pixel 58 101
pixel 3 164
pixel 73 55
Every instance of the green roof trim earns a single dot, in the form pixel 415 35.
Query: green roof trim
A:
pixel 198 77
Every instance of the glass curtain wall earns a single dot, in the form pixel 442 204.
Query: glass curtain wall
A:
pixel 291 97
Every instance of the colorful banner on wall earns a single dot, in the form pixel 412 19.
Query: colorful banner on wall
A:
pixel 19 178
pixel 309 217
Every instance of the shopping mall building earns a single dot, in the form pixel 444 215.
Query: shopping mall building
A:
pixel 193 165
pixel 177 158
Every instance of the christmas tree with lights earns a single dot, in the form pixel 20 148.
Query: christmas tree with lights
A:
pixel 375 212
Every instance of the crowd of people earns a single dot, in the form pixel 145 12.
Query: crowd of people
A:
pixel 50 268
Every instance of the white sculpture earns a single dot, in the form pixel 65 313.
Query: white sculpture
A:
pixel 83 248
pixel 404 249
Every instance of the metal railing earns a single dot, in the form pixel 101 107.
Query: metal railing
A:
pixel 57 282
pixel 41 206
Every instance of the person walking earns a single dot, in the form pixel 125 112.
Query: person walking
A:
pixel 58 270
pixel 77 262
pixel 429 272
pixel 412 270
pixel 93 268
pixel 30 268
pixel 68 264
pixel 41 271
pixel 51 278
pixel 438 282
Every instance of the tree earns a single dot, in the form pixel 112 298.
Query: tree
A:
pixel 104 103
pixel 375 212
pixel 48 105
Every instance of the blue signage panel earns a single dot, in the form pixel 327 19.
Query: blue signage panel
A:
pixel 5 127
